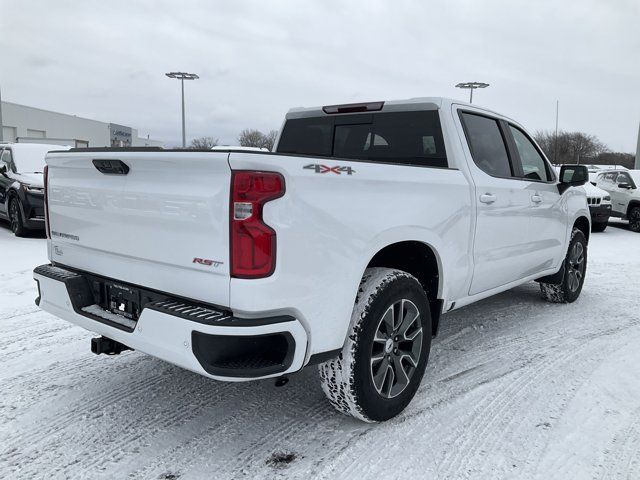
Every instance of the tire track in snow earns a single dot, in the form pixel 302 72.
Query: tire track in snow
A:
pixel 89 402
pixel 623 459
pixel 482 433
pixel 485 434
pixel 263 435
pixel 189 398
pixel 90 409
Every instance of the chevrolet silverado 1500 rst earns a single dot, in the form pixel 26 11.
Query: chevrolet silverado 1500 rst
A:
pixel 342 248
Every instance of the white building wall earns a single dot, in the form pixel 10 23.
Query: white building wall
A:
pixel 54 125
pixel 23 122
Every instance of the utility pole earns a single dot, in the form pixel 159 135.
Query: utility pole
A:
pixel 1 124
pixel 182 76
pixel 555 137
pixel 637 166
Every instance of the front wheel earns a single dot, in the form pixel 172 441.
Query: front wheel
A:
pixel 15 217
pixel 385 355
pixel 575 268
pixel 599 227
pixel 634 219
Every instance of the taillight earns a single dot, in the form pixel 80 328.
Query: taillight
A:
pixel 46 200
pixel 253 242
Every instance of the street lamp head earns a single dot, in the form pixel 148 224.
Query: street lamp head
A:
pixel 182 75
pixel 472 85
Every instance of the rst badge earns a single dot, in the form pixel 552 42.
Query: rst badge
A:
pixel 206 262
pixel 317 168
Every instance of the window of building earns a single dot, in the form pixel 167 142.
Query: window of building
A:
pixel 36 133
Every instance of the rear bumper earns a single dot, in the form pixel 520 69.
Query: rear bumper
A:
pixel 600 213
pixel 203 339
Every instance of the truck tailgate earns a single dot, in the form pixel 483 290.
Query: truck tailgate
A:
pixel 163 225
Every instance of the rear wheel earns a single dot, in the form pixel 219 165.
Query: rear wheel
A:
pixel 599 227
pixel 575 268
pixel 15 217
pixel 384 358
pixel 634 219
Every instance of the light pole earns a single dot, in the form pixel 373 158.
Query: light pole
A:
pixel 182 76
pixel 1 124
pixel 472 86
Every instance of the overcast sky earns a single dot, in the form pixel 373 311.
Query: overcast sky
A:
pixel 106 60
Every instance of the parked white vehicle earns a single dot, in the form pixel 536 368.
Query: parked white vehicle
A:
pixel 343 248
pixel 599 202
pixel 622 185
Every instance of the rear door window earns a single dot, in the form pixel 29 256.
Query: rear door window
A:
pixel 487 145
pixel 412 138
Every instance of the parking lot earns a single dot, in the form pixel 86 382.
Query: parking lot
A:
pixel 515 385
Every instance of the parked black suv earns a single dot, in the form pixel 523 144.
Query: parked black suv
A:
pixel 22 185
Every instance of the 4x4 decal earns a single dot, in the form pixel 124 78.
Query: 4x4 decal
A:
pixel 326 169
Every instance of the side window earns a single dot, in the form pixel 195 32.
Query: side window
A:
pixel 534 166
pixel 610 177
pixel 5 159
pixel 623 178
pixel 487 145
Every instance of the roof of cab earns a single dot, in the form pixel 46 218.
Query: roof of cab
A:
pixel 418 103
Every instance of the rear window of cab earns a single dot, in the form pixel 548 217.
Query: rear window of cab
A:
pixel 407 138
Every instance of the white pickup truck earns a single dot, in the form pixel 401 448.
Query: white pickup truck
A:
pixel 340 249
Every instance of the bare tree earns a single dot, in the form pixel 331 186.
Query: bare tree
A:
pixel 616 158
pixel 203 143
pixel 270 139
pixel 569 147
pixel 250 137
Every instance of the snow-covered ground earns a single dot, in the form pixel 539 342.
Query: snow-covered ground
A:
pixel 515 388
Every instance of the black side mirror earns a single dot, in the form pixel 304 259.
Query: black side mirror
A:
pixel 574 175
pixel 624 185
pixel 3 169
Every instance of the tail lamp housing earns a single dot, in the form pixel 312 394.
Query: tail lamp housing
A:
pixel 46 201
pixel 253 242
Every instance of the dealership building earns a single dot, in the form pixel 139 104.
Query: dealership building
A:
pixel 21 123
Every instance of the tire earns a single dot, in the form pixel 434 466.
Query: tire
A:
pixel 575 268
pixel 599 227
pixel 15 218
pixel 634 219
pixel 355 382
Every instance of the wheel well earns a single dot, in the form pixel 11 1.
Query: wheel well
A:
pixel 632 203
pixel 419 260
pixel 582 223
pixel 11 194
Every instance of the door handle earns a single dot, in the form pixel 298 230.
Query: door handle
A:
pixel 488 198
pixel 536 198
